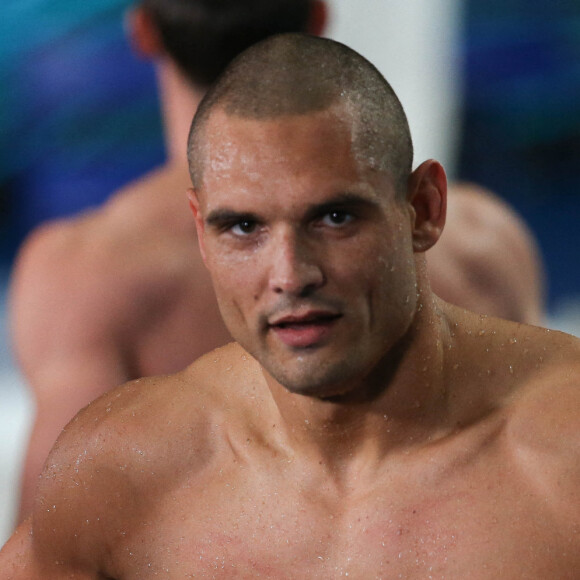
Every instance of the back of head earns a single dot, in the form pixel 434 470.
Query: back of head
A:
pixel 298 74
pixel 203 36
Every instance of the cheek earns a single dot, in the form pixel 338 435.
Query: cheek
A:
pixel 235 275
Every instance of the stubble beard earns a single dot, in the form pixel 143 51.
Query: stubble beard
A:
pixel 318 379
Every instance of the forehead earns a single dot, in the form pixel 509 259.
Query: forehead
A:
pixel 283 139
pixel 284 152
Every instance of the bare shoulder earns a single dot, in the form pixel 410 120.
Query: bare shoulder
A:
pixel 121 455
pixel 487 259
pixel 54 283
pixel 551 398
pixel 161 426
pixel 544 423
pixel 91 276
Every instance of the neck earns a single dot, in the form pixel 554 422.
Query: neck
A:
pixel 402 404
pixel 179 101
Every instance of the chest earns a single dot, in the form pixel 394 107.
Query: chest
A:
pixel 485 526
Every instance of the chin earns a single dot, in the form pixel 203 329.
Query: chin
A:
pixel 320 383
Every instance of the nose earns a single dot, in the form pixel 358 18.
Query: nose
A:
pixel 295 268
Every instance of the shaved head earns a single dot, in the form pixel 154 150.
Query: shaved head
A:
pixel 298 74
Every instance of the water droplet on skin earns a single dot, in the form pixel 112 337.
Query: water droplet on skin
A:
pixel 513 340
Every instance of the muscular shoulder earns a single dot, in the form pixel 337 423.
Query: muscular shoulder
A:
pixel 551 398
pixel 106 246
pixel 119 458
pixel 544 423
pixel 164 426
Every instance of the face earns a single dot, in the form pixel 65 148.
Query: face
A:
pixel 310 251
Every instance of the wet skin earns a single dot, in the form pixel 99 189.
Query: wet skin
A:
pixel 362 426
pixel 309 249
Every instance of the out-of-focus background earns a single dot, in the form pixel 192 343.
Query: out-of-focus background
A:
pixel 491 87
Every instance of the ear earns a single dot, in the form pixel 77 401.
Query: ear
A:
pixel 142 33
pixel 427 195
pixel 199 224
pixel 318 17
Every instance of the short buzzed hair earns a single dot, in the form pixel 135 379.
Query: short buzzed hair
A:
pixel 298 74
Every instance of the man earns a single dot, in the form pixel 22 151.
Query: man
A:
pixel 121 292
pixel 360 426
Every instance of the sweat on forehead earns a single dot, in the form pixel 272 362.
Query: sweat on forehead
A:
pixel 298 74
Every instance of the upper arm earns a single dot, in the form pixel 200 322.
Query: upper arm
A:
pixel 81 500
pixel 32 554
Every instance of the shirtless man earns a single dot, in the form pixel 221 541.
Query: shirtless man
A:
pixel 360 425
pixel 121 292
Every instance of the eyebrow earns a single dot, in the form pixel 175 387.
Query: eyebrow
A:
pixel 219 217
pixel 222 216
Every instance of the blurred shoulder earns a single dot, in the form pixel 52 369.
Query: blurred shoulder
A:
pixel 487 259
pixel 106 261
pixel 117 237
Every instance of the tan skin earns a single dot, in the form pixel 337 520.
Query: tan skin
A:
pixel 443 445
pixel 121 292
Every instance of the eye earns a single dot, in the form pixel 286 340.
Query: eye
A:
pixel 243 227
pixel 337 218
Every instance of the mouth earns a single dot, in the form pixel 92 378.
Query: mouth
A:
pixel 305 330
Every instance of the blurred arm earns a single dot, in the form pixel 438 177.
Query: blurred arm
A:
pixel 63 325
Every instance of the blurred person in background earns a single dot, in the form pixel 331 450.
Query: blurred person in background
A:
pixel 487 259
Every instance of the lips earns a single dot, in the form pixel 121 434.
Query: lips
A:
pixel 304 330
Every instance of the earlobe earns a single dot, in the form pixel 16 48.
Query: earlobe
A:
pixel 199 225
pixel 427 194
